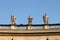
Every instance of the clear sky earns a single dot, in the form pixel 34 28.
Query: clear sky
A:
pixel 24 8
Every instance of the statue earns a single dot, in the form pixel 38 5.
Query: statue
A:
pixel 30 20
pixel 45 19
pixel 13 19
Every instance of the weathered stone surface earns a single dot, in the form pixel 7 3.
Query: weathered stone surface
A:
pixel 50 34
pixel 29 37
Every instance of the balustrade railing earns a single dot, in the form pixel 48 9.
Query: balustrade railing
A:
pixel 33 26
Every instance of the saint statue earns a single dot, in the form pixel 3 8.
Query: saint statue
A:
pixel 30 20
pixel 45 19
pixel 13 19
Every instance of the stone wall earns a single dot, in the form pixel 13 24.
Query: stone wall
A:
pixel 29 37
pixel 48 34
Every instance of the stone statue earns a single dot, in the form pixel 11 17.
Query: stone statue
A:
pixel 30 20
pixel 45 19
pixel 13 19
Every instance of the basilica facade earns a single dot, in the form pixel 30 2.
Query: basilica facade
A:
pixel 30 31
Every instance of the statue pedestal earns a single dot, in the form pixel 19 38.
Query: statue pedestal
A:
pixel 12 27
pixel 46 26
pixel 29 27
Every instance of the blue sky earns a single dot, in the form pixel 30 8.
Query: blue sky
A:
pixel 24 8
